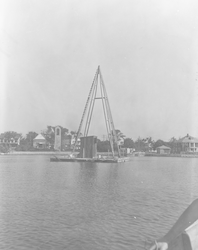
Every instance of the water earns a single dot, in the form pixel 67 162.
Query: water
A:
pixel 92 206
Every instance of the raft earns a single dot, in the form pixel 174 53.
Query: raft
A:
pixel 100 160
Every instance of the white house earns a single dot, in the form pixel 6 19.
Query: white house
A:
pixel 39 142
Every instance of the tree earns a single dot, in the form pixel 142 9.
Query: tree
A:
pixel 49 135
pixel 140 145
pixel 120 138
pixel 120 135
pixel 128 143
pixel 11 139
pixel 103 146
pixel 174 145
pixel 159 143
pixel 26 142
pixel 11 134
pixel 4 148
pixel 148 144
pixel 30 137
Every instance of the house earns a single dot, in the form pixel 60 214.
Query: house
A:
pixel 163 150
pixel 187 144
pixel 39 142
pixel 10 142
pixel 70 140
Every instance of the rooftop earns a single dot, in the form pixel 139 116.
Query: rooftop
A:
pixel 164 147
pixel 188 138
pixel 39 137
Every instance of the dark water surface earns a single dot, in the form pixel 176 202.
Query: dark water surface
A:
pixel 91 206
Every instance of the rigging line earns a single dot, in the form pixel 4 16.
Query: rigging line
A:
pixel 106 117
pixel 111 134
pixel 103 104
pixel 109 125
pixel 111 120
pixel 91 107
pixel 93 103
pixel 84 112
pixel 113 130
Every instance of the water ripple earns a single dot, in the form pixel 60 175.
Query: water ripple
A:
pixel 45 205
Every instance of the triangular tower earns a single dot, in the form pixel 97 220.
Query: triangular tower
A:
pixel 88 111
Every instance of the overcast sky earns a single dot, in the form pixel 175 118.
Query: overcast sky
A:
pixel 147 51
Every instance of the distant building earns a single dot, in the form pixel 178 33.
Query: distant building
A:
pixel 64 141
pixel 163 150
pixel 58 138
pixel 39 142
pixel 187 144
pixel 69 141
pixel 12 143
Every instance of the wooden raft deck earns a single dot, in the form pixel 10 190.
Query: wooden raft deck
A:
pixel 101 160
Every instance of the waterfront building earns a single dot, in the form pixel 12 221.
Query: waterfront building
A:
pixel 187 144
pixel 70 141
pixel 163 150
pixel 40 142
pixel 11 143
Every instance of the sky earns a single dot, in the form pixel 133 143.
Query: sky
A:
pixel 147 52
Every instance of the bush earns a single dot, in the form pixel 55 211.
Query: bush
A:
pixel 4 149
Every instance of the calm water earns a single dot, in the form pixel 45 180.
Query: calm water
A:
pixel 47 205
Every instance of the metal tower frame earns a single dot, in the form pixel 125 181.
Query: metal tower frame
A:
pixel 89 106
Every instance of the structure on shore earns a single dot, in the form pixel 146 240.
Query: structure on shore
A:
pixel 88 144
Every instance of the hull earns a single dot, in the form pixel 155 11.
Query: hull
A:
pixel 188 240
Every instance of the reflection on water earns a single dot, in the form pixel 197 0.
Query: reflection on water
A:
pixel 49 205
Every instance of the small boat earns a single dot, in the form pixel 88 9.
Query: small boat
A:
pixel 184 233
pixel 188 240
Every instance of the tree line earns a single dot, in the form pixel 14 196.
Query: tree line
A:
pixel 26 142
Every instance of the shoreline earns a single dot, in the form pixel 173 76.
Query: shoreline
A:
pixel 63 153
pixel 35 153
pixel 172 155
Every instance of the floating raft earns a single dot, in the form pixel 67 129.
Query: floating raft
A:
pixel 102 160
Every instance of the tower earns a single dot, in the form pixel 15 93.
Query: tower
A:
pixel 98 86
pixel 58 139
